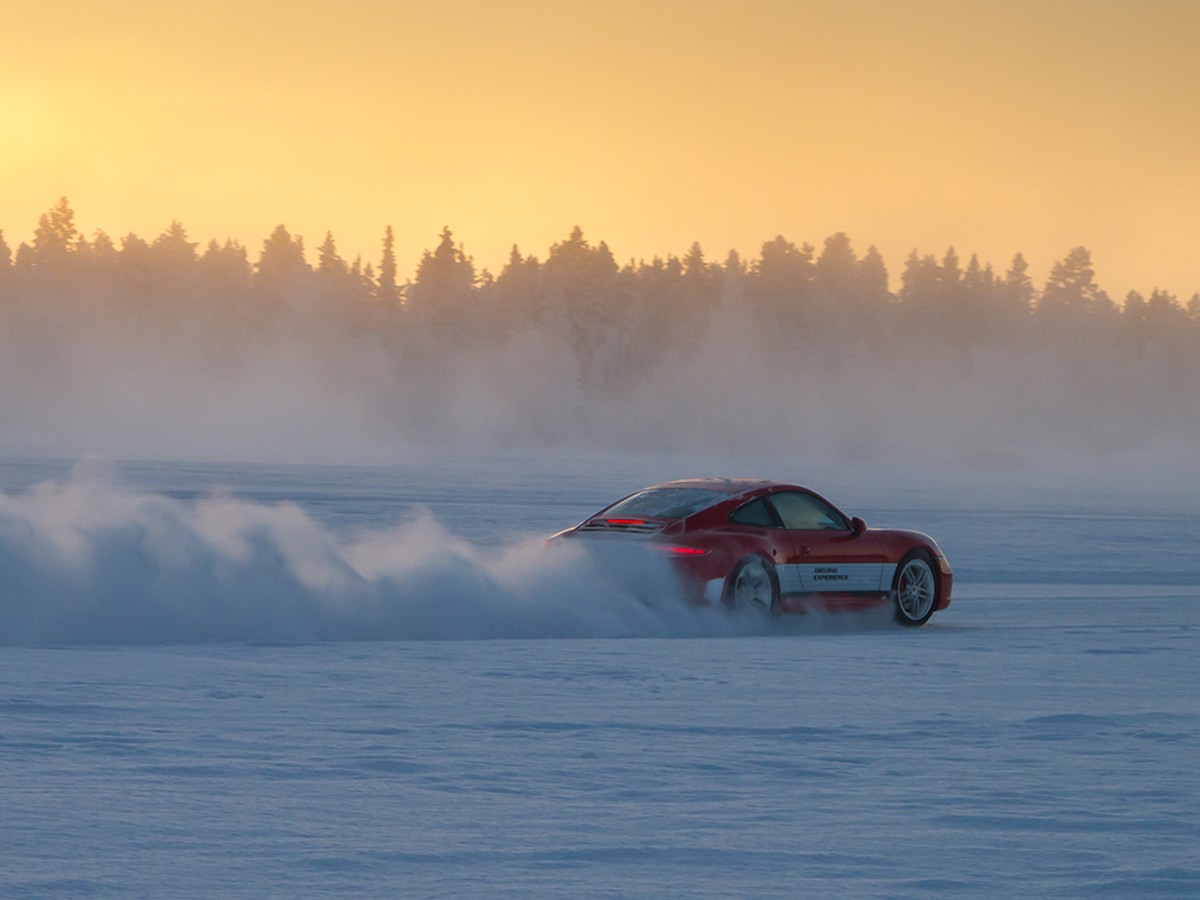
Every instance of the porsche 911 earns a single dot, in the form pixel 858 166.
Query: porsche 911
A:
pixel 776 548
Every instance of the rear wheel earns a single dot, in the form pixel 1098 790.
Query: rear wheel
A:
pixel 753 585
pixel 914 589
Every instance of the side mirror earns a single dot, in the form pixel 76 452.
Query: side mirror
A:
pixel 858 526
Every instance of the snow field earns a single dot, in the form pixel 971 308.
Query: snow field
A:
pixel 1040 737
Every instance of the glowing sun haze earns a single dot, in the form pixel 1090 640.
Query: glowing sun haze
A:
pixel 992 127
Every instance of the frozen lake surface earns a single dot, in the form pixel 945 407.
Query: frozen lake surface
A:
pixel 211 685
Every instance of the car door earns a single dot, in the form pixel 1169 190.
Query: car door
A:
pixel 829 558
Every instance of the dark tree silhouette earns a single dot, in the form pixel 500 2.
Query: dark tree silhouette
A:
pixel 388 291
pixel 836 267
pixel 1018 290
pixel 55 235
pixel 1071 288
pixel 518 297
pixel 102 251
pixel 173 247
pixel 281 264
pixel 328 261
pixel 442 297
pixel 784 270
pixel 871 277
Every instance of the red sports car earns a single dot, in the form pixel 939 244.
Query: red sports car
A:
pixel 776 548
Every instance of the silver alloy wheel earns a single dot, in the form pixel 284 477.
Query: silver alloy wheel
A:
pixel 916 590
pixel 753 587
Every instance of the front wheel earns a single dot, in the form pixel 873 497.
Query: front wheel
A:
pixel 753 585
pixel 915 590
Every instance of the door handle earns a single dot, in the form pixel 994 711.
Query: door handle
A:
pixel 806 551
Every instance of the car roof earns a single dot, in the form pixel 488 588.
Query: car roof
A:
pixel 732 486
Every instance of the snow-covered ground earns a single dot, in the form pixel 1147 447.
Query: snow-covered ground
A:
pixel 210 686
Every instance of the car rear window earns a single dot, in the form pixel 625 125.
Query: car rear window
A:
pixel 666 503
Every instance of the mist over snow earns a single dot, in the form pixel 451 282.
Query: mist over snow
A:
pixel 166 350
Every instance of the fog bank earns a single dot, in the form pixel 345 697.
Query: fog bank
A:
pixel 159 351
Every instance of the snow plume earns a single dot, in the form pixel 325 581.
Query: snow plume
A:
pixel 85 562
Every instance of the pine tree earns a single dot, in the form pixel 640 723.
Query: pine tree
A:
pixel 784 266
pixel 1164 308
pixel 282 257
pixel 836 267
pixel 949 273
pixel 103 250
pixel 387 269
pixel 135 264
pixel 1071 287
pixel 173 246
pixel 447 267
pixel 871 276
pixel 782 284
pixel 55 235
pixel 694 265
pixel 328 260
pixel 227 266
pixel 972 279
pixel 518 290
pixel 920 280
pixel 443 293
pixel 734 265
pixel 1018 289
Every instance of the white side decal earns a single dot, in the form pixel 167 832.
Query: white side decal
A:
pixel 789 579
pixel 889 573
pixel 832 577
pixel 829 578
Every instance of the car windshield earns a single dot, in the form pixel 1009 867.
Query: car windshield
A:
pixel 665 503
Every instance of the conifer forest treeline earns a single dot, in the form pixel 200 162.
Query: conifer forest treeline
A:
pixel 801 347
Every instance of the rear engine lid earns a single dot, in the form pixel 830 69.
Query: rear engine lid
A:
pixel 604 524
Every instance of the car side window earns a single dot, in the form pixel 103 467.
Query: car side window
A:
pixel 807 513
pixel 756 512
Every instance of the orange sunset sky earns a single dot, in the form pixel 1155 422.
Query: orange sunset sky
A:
pixel 993 127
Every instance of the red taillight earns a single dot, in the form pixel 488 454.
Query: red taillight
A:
pixel 681 551
pixel 625 521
